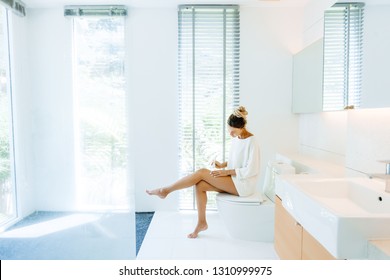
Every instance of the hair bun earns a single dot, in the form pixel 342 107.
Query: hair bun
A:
pixel 240 112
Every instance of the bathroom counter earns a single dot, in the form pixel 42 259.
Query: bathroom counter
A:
pixel 309 164
pixel 379 249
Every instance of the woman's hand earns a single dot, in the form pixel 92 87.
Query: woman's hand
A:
pixel 221 173
pixel 218 173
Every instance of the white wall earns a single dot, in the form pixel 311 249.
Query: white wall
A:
pixel 267 38
pixel 324 135
pixel 313 21
pixel 356 139
pixel 152 81
pixel 50 53
pixel 368 135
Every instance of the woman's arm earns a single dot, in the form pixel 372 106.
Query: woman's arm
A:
pixel 252 166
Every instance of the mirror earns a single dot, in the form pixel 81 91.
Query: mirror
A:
pixel 307 79
pixel 308 64
pixel 376 56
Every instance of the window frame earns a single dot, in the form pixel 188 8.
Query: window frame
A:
pixel 12 162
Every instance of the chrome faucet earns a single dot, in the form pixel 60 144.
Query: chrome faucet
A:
pixel 385 176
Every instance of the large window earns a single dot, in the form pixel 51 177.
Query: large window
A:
pixel 7 176
pixel 343 56
pixel 100 111
pixel 208 87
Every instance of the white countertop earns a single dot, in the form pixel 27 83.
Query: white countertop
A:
pixel 310 164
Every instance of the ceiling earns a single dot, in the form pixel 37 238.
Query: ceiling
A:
pixel 172 3
pixel 163 3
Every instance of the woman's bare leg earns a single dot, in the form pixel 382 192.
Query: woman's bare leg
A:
pixel 201 201
pixel 159 192
pixel 203 181
pixel 224 184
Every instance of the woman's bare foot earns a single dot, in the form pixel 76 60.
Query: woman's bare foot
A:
pixel 161 193
pixel 200 227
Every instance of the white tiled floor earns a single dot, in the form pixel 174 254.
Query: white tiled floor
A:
pixel 166 239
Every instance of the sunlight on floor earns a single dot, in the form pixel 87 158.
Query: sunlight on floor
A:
pixel 70 236
pixel 51 226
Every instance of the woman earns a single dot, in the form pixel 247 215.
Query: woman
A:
pixel 239 177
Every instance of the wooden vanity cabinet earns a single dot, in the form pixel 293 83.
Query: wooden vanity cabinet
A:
pixel 288 234
pixel 312 249
pixel 292 241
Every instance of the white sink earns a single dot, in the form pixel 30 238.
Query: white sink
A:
pixel 342 214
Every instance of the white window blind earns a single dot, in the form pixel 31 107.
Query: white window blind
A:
pixel 16 6
pixel 209 47
pixel 95 11
pixel 343 55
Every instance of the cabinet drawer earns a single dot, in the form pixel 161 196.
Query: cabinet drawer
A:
pixel 288 234
pixel 312 249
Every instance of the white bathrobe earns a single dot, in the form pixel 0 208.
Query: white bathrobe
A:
pixel 244 158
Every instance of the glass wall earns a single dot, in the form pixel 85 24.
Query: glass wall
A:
pixel 7 178
pixel 100 112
